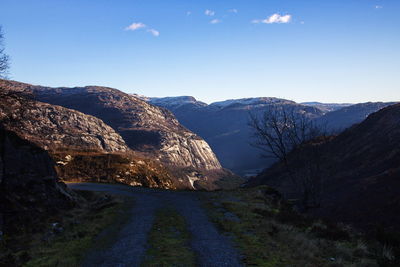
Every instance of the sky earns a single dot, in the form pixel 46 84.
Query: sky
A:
pixel 302 50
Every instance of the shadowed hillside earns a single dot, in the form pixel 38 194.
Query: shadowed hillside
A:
pixel 360 172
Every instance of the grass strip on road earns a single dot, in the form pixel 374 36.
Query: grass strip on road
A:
pixel 169 241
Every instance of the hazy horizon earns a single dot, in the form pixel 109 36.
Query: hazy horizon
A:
pixel 330 52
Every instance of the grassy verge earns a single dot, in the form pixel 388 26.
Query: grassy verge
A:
pixel 268 233
pixel 77 231
pixel 169 241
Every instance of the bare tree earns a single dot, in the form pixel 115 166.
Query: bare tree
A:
pixel 281 130
pixel 4 58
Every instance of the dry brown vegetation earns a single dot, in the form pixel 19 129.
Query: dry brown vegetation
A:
pixel 127 168
pixel 269 233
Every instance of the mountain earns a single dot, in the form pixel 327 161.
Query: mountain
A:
pixel 360 170
pixel 224 125
pixel 29 186
pixel 84 147
pixel 151 131
pixel 340 119
pixel 57 128
pixel 175 102
pixel 327 107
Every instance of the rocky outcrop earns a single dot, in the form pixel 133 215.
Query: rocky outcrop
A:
pixel 57 128
pixel 29 187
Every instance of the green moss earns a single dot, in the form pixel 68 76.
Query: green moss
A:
pixel 169 241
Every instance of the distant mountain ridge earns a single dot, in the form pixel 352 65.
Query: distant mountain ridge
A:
pixel 327 107
pixel 224 124
pixel 340 119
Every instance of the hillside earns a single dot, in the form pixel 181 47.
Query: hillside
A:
pixel 360 170
pixel 57 128
pixel 341 119
pixel 70 135
pixel 29 186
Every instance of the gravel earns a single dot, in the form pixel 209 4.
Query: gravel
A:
pixel 211 248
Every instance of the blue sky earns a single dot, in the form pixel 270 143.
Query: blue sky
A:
pixel 304 50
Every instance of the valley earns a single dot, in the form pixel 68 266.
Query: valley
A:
pixel 145 184
pixel 199 133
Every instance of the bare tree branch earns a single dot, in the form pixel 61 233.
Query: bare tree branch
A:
pixel 4 58
pixel 282 130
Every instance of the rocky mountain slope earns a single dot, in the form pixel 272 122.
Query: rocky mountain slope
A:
pixel 84 147
pixel 361 172
pixel 224 125
pixel 57 128
pixel 29 186
pixel 152 131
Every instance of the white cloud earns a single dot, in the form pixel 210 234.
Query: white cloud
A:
pixel 138 25
pixel 154 32
pixel 188 13
pixel 378 7
pixel 233 10
pixel 135 26
pixel 209 12
pixel 215 21
pixel 275 18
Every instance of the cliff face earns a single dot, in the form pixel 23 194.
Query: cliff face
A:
pixel 144 127
pixel 55 128
pixel 29 187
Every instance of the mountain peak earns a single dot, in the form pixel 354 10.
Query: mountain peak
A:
pixel 251 101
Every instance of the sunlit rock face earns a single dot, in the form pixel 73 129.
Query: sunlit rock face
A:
pixel 54 127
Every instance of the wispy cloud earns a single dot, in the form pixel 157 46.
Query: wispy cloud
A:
pixel 209 12
pixel 139 25
pixel 215 21
pixel 135 26
pixel 378 7
pixel 275 18
pixel 188 13
pixel 154 32
pixel 233 10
